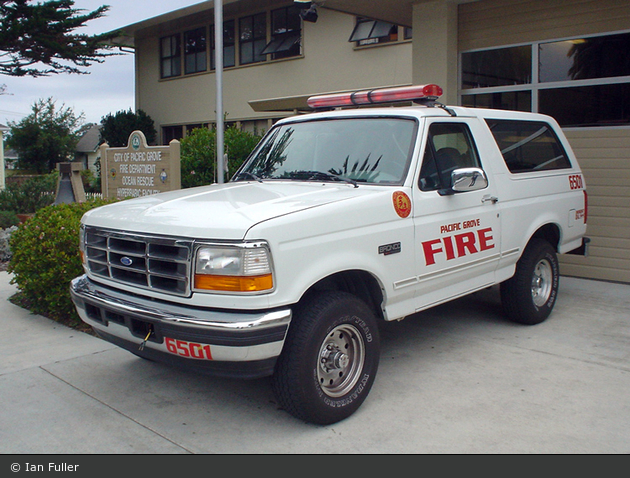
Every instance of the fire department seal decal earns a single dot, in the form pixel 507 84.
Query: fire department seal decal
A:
pixel 402 204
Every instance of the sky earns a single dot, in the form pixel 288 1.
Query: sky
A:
pixel 108 88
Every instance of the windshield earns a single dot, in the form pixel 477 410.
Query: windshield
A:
pixel 358 150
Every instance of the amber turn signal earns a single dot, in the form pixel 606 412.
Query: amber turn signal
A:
pixel 234 283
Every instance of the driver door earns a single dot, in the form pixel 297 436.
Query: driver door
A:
pixel 457 233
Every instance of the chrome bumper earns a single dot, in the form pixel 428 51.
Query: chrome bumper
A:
pixel 221 342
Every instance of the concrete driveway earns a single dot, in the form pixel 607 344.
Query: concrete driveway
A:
pixel 455 379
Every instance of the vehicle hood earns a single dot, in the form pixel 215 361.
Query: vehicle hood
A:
pixel 219 211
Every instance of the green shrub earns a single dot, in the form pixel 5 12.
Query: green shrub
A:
pixel 26 197
pixel 91 182
pixel 8 219
pixel 198 153
pixel 238 146
pixel 45 258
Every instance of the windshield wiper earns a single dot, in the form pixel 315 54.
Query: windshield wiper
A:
pixel 330 177
pixel 247 174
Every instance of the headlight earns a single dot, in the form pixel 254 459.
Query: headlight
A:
pixel 238 268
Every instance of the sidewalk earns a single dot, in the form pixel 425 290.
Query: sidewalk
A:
pixel 455 379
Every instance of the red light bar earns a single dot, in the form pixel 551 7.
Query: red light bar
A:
pixel 371 97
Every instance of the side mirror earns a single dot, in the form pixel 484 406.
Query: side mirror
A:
pixel 468 179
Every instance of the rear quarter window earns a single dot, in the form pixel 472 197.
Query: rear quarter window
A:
pixel 528 146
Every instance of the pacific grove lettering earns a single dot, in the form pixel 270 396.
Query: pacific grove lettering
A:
pixel 458 226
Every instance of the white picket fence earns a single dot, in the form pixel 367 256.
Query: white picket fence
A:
pixel 90 196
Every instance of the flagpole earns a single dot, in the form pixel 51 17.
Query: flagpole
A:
pixel 218 63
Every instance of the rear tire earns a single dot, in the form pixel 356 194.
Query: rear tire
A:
pixel 330 358
pixel 529 296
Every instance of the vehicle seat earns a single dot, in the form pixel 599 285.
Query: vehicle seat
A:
pixel 448 160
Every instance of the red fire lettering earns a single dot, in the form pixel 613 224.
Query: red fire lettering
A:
pixel 429 251
pixel 465 241
pixel 485 238
pixel 448 246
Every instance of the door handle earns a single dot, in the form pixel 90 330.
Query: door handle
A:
pixel 492 199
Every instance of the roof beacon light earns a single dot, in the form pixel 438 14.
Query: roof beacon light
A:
pixel 418 93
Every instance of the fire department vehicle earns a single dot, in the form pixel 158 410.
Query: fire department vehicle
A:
pixel 339 219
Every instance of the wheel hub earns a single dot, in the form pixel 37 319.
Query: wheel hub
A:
pixel 334 359
pixel 341 358
pixel 542 283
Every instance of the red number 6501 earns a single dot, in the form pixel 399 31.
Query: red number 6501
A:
pixel 188 349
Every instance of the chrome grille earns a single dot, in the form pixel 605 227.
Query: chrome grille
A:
pixel 149 262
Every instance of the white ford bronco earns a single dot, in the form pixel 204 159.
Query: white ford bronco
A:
pixel 339 219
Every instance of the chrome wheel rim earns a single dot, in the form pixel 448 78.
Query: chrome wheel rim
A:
pixel 340 360
pixel 542 282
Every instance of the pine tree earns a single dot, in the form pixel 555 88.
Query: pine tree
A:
pixel 38 39
pixel 117 128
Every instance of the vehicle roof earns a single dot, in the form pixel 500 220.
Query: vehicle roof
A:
pixel 420 111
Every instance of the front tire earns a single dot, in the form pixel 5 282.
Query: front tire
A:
pixel 330 358
pixel 529 296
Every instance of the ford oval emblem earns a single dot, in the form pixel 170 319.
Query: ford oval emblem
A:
pixel 126 261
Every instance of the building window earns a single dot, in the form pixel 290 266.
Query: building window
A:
pixel 253 38
pixel 170 55
pixel 581 82
pixel 191 127
pixel 370 32
pixel 195 56
pixel 507 100
pixel 584 58
pixel 229 45
pixel 499 67
pixel 596 105
pixel 286 33
pixel 169 133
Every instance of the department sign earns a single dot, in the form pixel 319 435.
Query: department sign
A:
pixel 140 170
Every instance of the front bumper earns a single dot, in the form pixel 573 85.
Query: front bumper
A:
pixel 225 343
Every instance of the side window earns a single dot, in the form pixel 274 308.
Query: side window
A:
pixel 528 145
pixel 449 146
